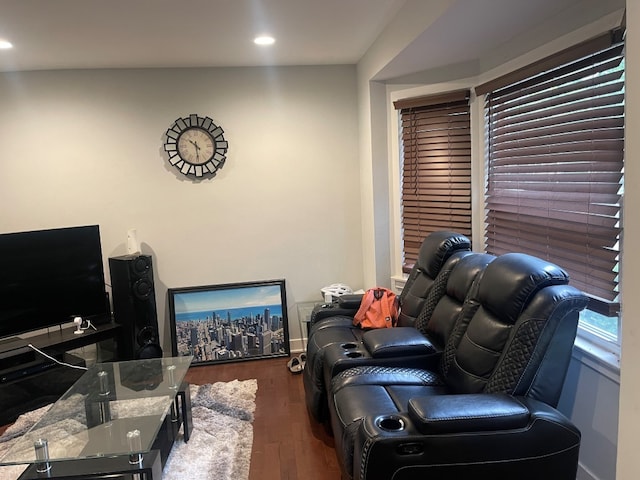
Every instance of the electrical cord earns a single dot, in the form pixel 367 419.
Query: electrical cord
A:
pixel 89 325
pixel 79 321
pixel 56 360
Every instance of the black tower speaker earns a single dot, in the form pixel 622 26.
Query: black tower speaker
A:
pixel 134 307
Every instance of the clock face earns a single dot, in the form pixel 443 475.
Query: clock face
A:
pixel 196 146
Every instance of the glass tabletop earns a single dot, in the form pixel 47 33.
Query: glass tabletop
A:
pixel 113 409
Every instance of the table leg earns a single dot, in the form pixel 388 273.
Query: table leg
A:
pixel 184 398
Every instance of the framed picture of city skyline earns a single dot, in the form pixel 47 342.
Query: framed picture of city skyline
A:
pixel 229 322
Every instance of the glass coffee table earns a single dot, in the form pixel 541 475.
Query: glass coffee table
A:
pixel 119 418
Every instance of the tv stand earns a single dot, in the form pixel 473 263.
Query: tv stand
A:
pixel 62 339
pixel 37 365
pixel 18 355
pixel 27 378
pixel 10 342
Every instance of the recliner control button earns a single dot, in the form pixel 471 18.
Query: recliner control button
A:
pixel 410 449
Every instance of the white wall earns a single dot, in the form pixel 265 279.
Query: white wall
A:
pixel 590 399
pixel 85 147
pixel 376 176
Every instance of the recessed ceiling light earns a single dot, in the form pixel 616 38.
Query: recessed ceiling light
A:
pixel 264 40
pixel 4 45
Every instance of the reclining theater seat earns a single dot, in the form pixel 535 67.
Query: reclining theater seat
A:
pixel 422 345
pixel 488 411
pixel 329 329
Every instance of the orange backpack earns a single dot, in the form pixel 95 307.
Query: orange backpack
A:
pixel 378 309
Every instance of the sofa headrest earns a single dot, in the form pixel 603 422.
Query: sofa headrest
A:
pixel 465 272
pixel 437 247
pixel 511 281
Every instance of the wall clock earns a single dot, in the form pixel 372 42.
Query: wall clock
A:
pixel 196 146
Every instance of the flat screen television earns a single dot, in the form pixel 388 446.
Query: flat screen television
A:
pixel 47 277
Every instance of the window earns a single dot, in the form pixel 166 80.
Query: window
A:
pixel 436 168
pixel 555 182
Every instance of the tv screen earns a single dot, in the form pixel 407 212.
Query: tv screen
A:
pixel 47 277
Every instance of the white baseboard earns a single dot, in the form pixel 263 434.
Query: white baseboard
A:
pixel 297 345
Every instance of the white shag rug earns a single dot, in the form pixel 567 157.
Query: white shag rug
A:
pixel 219 446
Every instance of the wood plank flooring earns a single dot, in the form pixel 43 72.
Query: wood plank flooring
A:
pixel 287 444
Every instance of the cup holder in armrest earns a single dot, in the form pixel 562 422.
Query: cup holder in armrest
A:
pixel 354 354
pixel 390 423
pixel 348 346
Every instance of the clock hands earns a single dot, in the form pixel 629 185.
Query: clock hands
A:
pixel 195 144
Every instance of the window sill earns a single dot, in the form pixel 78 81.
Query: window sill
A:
pixel 398 282
pixel 597 357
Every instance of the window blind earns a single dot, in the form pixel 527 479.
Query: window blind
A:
pixel 555 169
pixel 436 168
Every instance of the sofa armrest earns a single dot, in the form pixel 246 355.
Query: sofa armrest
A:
pixel 344 306
pixel 546 447
pixel 352 300
pixel 467 413
pixel 396 342
pixel 328 310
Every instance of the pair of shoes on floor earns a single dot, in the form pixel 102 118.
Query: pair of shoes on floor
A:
pixel 296 364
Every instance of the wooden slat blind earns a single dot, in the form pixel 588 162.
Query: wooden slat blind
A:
pixel 555 173
pixel 436 168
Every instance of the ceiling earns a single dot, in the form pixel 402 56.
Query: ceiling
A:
pixel 77 34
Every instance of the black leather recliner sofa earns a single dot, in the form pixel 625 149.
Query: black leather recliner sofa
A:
pixel 485 408
pixel 332 324
pixel 413 347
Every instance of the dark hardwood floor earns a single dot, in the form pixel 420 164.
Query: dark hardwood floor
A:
pixel 287 444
